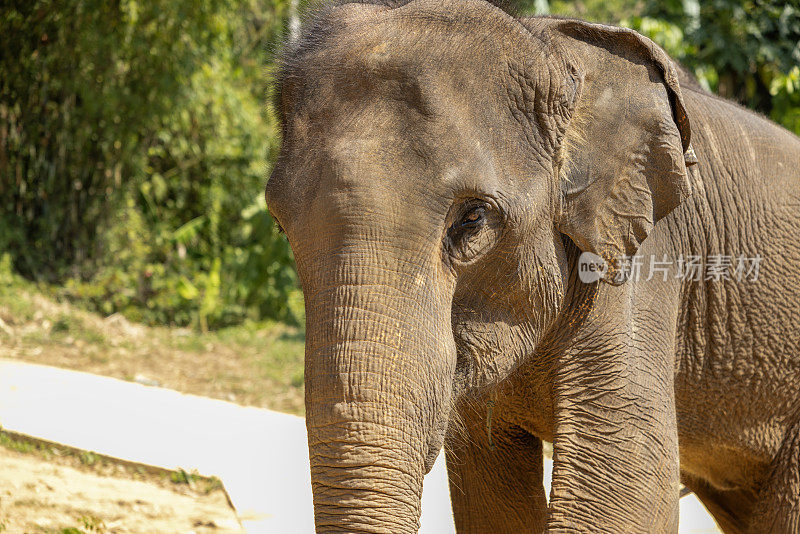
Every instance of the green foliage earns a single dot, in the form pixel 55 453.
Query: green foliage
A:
pixel 785 91
pixel 92 524
pixel 607 11
pixel 743 50
pixel 134 145
pixel 80 84
pixel 746 50
pixel 200 247
pixel 179 477
pixel 133 154
pixel 669 36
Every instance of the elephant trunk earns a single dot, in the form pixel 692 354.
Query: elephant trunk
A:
pixel 376 407
pixel 366 476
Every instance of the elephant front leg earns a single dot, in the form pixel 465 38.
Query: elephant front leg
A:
pixel 616 464
pixel 495 483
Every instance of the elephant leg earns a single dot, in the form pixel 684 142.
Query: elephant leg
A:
pixel 615 448
pixel 495 485
pixel 778 506
pixel 729 508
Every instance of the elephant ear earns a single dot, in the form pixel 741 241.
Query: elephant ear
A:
pixel 625 149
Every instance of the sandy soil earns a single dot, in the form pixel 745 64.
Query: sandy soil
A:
pixel 49 489
pixel 48 495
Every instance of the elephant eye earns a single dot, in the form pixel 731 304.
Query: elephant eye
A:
pixel 474 218
pixel 475 230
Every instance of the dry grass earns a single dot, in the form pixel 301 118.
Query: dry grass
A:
pixel 255 364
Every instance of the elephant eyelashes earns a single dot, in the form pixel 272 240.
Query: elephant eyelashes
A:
pixel 470 221
pixel 474 232
pixel 474 218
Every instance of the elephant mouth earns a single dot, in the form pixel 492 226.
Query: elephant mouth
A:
pixel 435 445
pixel 430 459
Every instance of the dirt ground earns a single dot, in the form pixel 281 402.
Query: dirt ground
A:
pixel 258 365
pixel 49 489
pixel 45 490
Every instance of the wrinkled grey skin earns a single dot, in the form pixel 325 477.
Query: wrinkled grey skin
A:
pixel 443 167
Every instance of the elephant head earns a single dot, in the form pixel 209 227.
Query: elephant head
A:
pixel 437 158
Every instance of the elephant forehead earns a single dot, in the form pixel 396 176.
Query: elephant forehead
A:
pixel 406 98
pixel 389 168
pixel 420 48
pixel 377 31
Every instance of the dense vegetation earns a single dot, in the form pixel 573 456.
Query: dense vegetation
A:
pixel 135 140
pixel 134 147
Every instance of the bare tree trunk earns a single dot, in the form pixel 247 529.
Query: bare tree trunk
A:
pixel 294 20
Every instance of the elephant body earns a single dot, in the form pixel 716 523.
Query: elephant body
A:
pixel 735 345
pixel 737 366
pixel 446 173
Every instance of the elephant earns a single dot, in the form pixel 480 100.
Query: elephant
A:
pixel 516 230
